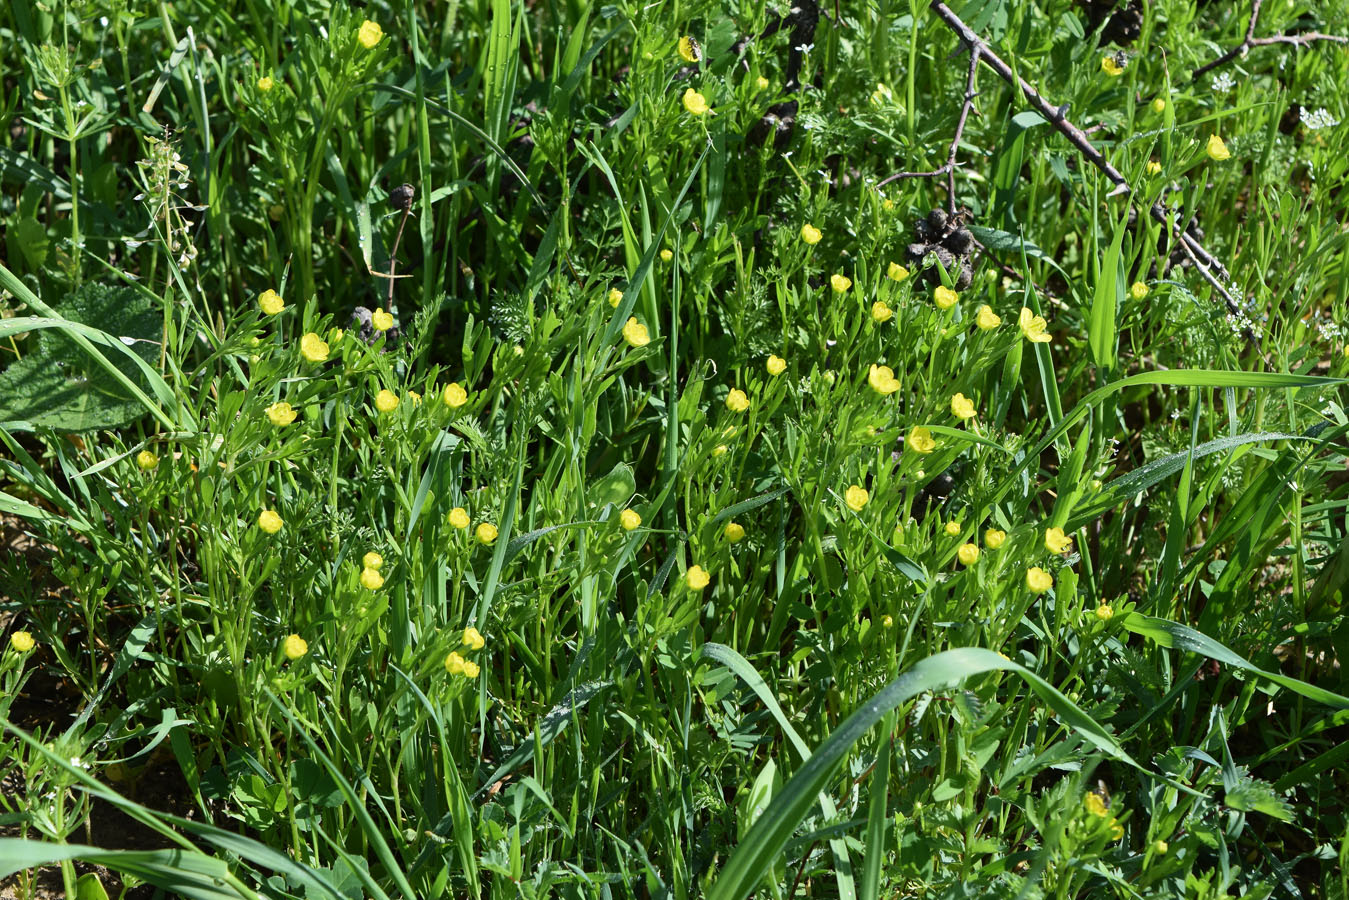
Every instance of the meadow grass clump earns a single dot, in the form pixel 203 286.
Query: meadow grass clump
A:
pixel 530 450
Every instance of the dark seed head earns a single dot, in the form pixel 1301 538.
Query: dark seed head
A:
pixel 401 196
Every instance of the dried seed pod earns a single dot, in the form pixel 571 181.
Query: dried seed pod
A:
pixel 401 196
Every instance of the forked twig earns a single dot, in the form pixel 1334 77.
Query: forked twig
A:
pixel 949 167
pixel 1299 40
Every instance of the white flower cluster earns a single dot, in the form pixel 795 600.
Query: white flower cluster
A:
pixel 1316 119
pixel 1223 82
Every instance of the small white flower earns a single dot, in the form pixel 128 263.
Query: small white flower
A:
pixel 804 48
pixel 1317 119
pixel 1223 82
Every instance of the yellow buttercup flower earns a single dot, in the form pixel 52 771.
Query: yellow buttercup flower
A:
pixel 1159 105
pixel 734 531
pixel 1138 290
pixel 486 532
pixel 1095 804
pixel 380 320
pixel 993 538
pixel 1056 541
pixel 270 302
pixel 1160 847
pixel 737 401
pixel 294 647
pixel 1038 580
pixel 968 554
pixel 1105 612
pixel 22 641
pixel 635 333
pixel 775 365
pixel 689 51
pixel 697 578
pixel 986 319
pixel 666 255
pixel 386 401
pixel 880 312
pixel 1216 149
pixel 856 497
pixel 882 380
pixel 810 234
pixel 470 669
pixel 370 34
pixel 962 407
pixel 944 297
pixel 761 83
pixel 629 519
pixel 719 450
pixel 473 639
pixel 952 528
pixel 1154 167
pixel 1110 67
pixel 265 83
pixel 454 664
pixel 1033 327
pixel 372 560
pixel 454 396
pixel 269 521
pixel 281 414
pixel 615 297
pixel 146 460
pixel 314 348
pixel 371 580
pixel 840 283
pixel 695 103
pixel 459 517
pixel 896 272
pixel 920 440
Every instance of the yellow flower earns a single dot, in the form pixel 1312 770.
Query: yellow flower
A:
pixel 269 521
pixel 1057 542
pixel 294 647
pixel 896 272
pixel 1159 105
pixel 695 103
pixel 470 669
pixel 281 413
pixel 887 621
pixel 146 460
pixel 486 532
pixel 944 297
pixel 1105 612
pixel 1160 847
pixel 735 532
pixel 454 664
pixel 22 641
pixel 314 348
pixel 952 528
pixel 1095 804
pixel 775 365
pixel 1033 327
pixel 689 51
pixel 968 554
pixel 370 34
pixel 615 297
pixel 920 440
pixel 697 578
pixel 635 333
pixel 270 302
pixel 1216 149
pixel 666 255
pixel 265 83
pixel 882 380
pixel 761 83
pixel 856 497
pixel 372 560
pixel 840 283
pixel 962 407
pixel 454 396
pixel 459 517
pixel 473 639
pixel 810 234
pixel 993 538
pixel 880 312
pixel 736 401
pixel 1038 580
pixel 986 318
pixel 719 450
pixel 380 320
pixel 629 519
pixel 371 580
pixel 415 398
pixel 1138 290
pixel 386 401
pixel 1154 167
pixel 1110 67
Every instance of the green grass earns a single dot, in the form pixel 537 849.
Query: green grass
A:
pixel 872 695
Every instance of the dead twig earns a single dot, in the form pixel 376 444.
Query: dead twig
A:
pixel 948 168
pixel 1299 40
